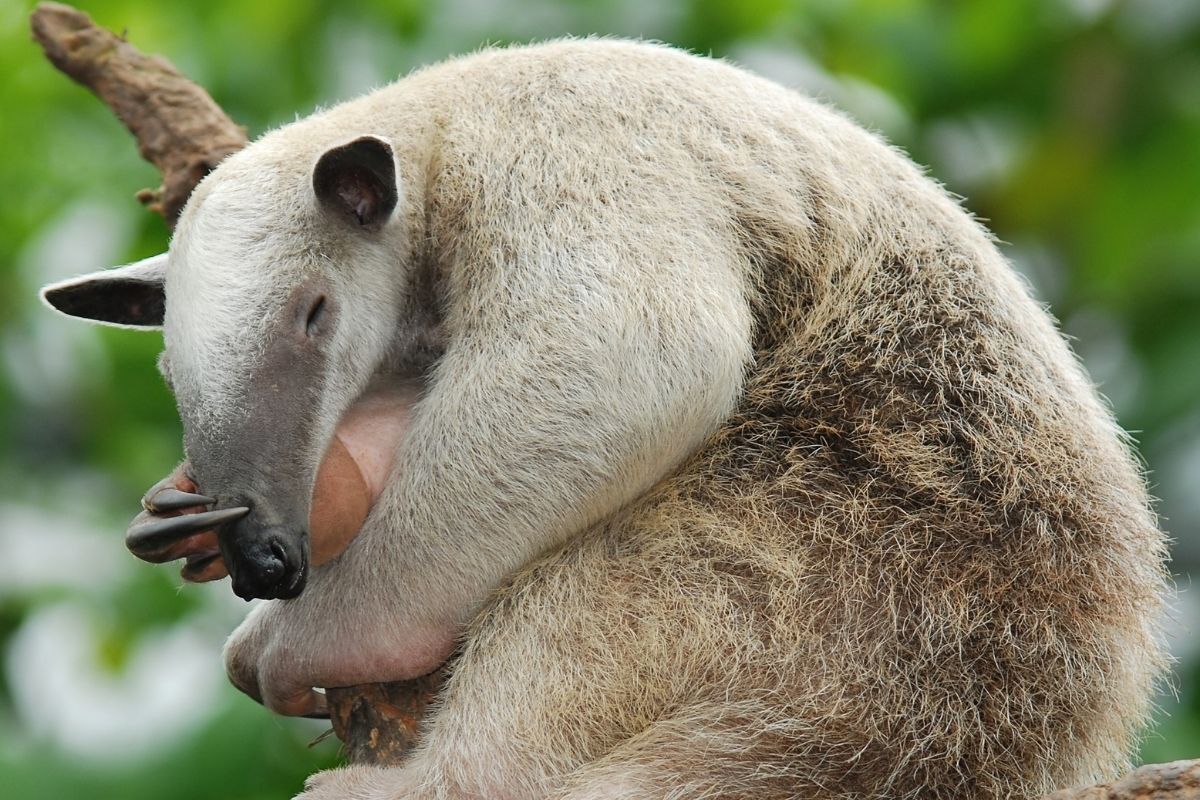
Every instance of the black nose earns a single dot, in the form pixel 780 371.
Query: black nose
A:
pixel 268 564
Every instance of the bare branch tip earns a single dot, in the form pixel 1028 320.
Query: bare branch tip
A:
pixel 55 21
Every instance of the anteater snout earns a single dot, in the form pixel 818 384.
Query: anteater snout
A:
pixel 271 563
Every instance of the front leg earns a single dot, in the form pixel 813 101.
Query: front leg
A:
pixel 537 422
pixel 330 636
pixel 259 662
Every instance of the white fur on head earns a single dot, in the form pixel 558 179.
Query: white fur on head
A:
pixel 122 297
pixel 228 272
pixel 251 234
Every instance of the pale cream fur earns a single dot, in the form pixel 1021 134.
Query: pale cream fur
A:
pixel 750 467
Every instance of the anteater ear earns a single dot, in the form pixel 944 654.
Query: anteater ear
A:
pixel 356 181
pixel 125 297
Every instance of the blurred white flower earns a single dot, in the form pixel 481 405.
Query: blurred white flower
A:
pixel 1088 10
pixel 976 151
pixel 866 102
pixel 1041 265
pixel 169 686
pixel 47 359
pixel 41 549
pixel 1159 21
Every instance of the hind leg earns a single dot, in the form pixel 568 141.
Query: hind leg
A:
pixel 727 750
pixel 604 661
pixel 734 750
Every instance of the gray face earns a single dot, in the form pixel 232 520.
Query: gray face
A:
pixel 283 297
pixel 263 360
pixel 264 455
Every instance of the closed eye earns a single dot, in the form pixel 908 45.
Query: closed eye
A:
pixel 312 323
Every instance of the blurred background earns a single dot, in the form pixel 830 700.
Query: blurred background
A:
pixel 1072 126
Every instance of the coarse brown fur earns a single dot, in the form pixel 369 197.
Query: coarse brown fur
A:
pixel 917 561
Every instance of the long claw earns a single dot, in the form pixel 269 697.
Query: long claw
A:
pixel 166 483
pixel 148 538
pixel 169 499
pixel 203 568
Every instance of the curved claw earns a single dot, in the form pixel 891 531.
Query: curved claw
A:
pixel 204 565
pixel 170 499
pixel 152 540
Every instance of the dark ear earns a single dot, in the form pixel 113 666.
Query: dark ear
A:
pixel 357 181
pixel 126 297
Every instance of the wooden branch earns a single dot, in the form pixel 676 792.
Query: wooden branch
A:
pixel 1178 780
pixel 379 722
pixel 178 126
pixel 185 134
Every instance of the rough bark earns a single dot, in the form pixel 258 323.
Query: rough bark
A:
pixel 1178 780
pixel 379 722
pixel 178 127
pixel 183 132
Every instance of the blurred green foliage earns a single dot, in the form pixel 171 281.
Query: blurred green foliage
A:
pixel 1072 126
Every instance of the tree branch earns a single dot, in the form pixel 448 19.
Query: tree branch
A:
pixel 178 127
pixel 1177 780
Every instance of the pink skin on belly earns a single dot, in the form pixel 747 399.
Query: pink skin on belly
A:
pixel 355 468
